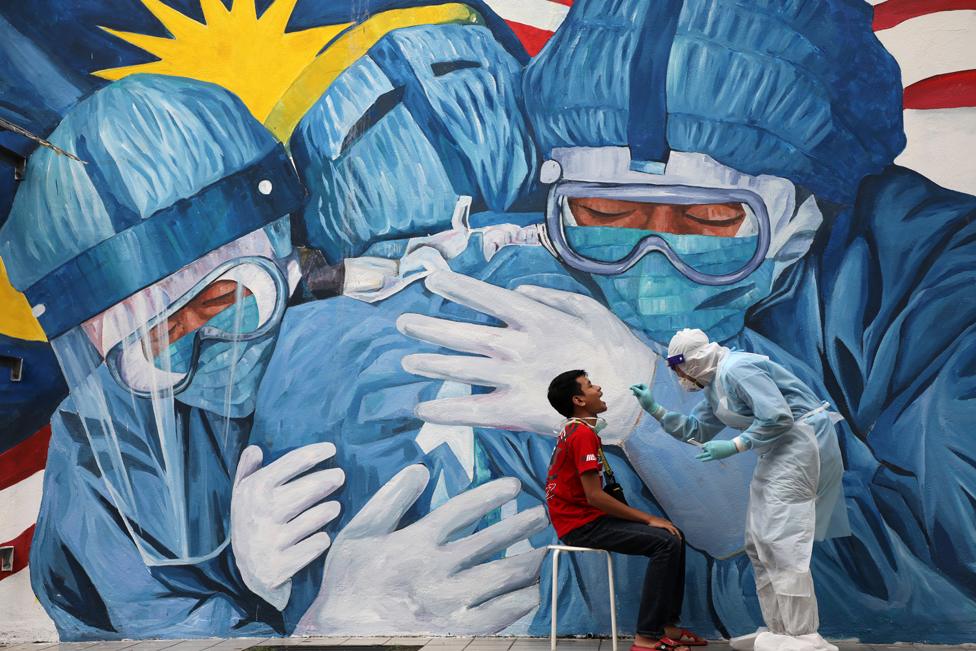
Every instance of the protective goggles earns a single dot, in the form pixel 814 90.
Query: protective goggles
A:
pixel 714 236
pixel 239 301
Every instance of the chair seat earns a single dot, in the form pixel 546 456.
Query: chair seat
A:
pixel 570 548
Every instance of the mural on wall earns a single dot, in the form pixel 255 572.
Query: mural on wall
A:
pixel 287 281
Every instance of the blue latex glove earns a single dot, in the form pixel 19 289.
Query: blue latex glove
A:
pixel 643 394
pixel 715 450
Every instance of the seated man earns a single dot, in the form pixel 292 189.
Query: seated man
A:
pixel 586 514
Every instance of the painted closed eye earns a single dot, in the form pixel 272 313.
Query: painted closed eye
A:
pixel 602 209
pixel 213 300
pixel 716 214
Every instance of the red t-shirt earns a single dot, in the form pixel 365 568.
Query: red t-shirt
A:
pixel 578 450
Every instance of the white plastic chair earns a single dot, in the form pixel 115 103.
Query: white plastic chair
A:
pixel 556 550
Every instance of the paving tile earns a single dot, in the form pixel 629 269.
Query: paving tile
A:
pixel 188 645
pixel 575 645
pixel 300 641
pixel 493 639
pixel 238 643
pixel 449 641
pixel 70 646
pixel 408 641
pixel 115 645
pixel 159 645
pixel 29 646
pixel 366 641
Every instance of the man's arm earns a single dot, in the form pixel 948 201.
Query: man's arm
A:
pixel 598 498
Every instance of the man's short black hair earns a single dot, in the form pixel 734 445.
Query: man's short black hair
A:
pixel 562 389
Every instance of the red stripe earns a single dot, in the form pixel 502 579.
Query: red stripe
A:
pixel 532 38
pixel 568 3
pixel 21 545
pixel 951 90
pixel 24 459
pixel 894 12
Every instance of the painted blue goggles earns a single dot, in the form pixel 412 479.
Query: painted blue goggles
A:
pixel 147 362
pixel 690 244
pixel 674 360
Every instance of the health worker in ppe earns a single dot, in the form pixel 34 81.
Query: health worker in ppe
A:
pixel 446 96
pixel 796 495
pixel 796 107
pixel 384 217
pixel 160 269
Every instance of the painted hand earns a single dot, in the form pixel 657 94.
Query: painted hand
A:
pixel 276 519
pixel 422 578
pixel 715 450
pixel 548 331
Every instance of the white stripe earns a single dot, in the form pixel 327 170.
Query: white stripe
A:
pixel 933 45
pixel 459 438
pixel 941 143
pixel 536 13
pixel 19 505
pixel 22 619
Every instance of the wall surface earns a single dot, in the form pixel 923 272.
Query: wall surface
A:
pixel 284 282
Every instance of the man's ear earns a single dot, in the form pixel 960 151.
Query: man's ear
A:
pixel 579 401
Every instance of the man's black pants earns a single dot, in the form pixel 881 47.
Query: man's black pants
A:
pixel 664 581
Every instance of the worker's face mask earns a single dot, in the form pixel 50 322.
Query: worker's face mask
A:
pixel 163 386
pixel 666 257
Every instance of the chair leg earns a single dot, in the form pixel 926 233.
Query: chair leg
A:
pixel 553 615
pixel 613 602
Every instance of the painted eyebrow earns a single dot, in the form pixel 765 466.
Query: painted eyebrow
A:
pixel 442 68
pixel 371 116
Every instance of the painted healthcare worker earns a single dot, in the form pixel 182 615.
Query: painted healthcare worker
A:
pixel 796 495
pixel 160 269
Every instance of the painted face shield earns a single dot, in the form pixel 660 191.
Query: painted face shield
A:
pixel 163 385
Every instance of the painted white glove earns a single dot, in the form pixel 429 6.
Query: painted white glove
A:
pixel 275 519
pixel 420 579
pixel 548 331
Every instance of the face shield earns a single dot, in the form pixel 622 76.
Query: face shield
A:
pixel 162 385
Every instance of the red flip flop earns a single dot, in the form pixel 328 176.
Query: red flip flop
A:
pixel 696 640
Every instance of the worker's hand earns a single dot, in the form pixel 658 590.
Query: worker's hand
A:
pixel 276 519
pixel 715 450
pixel 547 331
pixel 661 523
pixel 643 394
pixel 424 577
